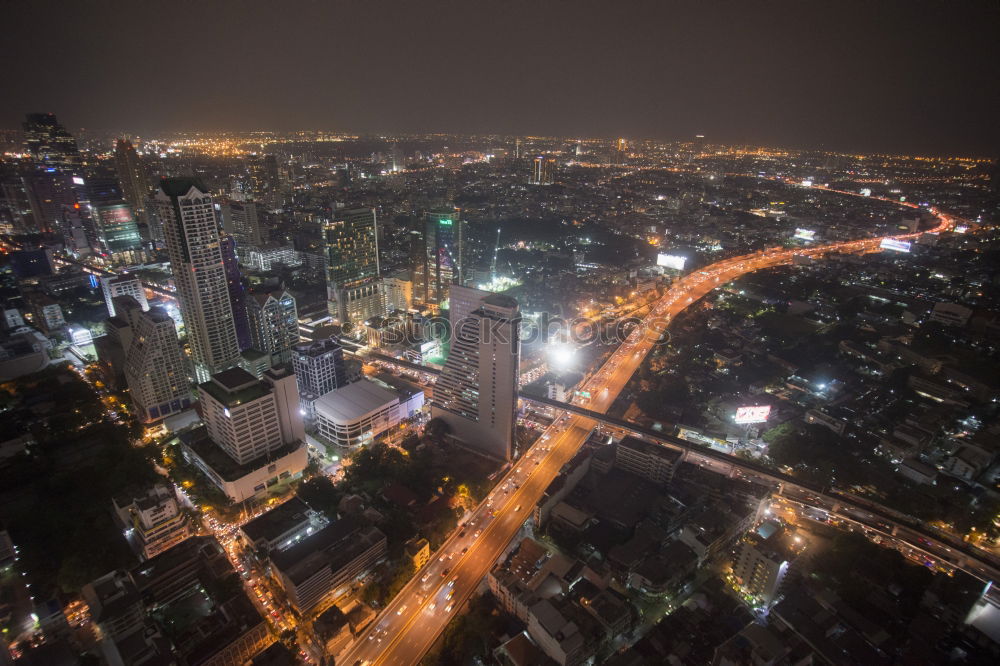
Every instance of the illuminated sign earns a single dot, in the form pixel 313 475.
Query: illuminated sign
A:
pixel 805 234
pixel 77 180
pixel 754 414
pixel 807 183
pixel 671 261
pixel 93 281
pixel 866 191
pixel 446 223
pixel 894 245
pixel 961 229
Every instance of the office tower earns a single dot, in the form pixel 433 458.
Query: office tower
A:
pixel 462 302
pixel 237 292
pixel 352 265
pixel 620 152
pixel 543 170
pixel 49 143
pixel 133 176
pixel 154 224
pixel 77 229
pixel 123 285
pixel 476 393
pixel 397 294
pixel 274 324
pixel 319 368
pixel 249 418
pixel 155 366
pixel 517 148
pixel 187 212
pixel 239 219
pixel 418 264
pixel 116 235
pixel 50 192
pixel 15 201
pixel 443 248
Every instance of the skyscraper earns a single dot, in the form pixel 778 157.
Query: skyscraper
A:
pixel 351 240
pixel 240 219
pixel 476 392
pixel 443 248
pixel 49 143
pixel 133 176
pixel 116 234
pixel 185 208
pixel 620 152
pixel 543 170
pixel 237 292
pixel 155 367
pixel 274 324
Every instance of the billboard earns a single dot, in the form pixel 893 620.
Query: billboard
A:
pixel 671 261
pixel 866 191
pixel 894 245
pixel 752 414
pixel 805 234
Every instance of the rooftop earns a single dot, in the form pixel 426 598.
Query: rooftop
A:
pixel 279 520
pixel 234 386
pixel 178 187
pixel 354 401
pixel 202 445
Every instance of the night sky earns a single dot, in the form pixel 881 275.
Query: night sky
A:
pixel 912 76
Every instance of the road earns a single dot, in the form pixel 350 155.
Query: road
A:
pixel 411 623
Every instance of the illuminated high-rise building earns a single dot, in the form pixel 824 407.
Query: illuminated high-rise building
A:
pixel 187 212
pixel 116 234
pixel 49 143
pixel 133 176
pixel 351 241
pixel 240 219
pixel 620 152
pixel 543 170
pixel 274 324
pixel 237 292
pixel 443 244
pixel 476 392
pixel 155 366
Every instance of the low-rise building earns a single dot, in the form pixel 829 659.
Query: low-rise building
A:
pixel 654 462
pixel 356 414
pixel 152 522
pixel 326 562
pixel 282 527
pixel 765 559
pixel 419 552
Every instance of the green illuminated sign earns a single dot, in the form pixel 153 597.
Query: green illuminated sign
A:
pixel 446 223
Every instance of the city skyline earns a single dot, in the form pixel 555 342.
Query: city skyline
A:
pixel 890 77
pixel 592 333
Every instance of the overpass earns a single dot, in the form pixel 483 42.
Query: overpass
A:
pixel 876 517
pixel 892 524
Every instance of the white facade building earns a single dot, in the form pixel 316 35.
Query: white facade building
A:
pixel 123 285
pixel 249 418
pixel 153 522
pixel 397 294
pixel 356 414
